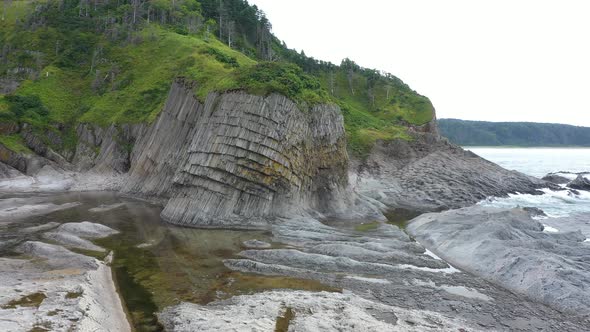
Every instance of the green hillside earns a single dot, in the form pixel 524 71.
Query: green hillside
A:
pixel 112 61
pixel 481 133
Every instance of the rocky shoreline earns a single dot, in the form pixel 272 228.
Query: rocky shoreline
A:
pixel 511 249
pixel 246 162
pixel 51 288
pixel 238 160
pixel 379 279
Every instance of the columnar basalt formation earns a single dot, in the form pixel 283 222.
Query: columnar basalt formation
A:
pixel 239 159
pixel 162 148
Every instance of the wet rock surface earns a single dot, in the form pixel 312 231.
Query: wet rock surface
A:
pixel 305 311
pixel 46 287
pixel 76 235
pixel 430 174
pixel 555 178
pixel 580 183
pixel 389 281
pixel 509 248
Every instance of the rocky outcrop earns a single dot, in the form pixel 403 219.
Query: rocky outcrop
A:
pixel 7 171
pixel 8 85
pixel 382 265
pixel 26 163
pixel 163 148
pixel 428 173
pixel 555 178
pixel 253 157
pixel 580 183
pixel 238 159
pixel 106 150
pixel 509 248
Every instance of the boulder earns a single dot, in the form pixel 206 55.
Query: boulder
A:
pixel 580 183
pixel 554 178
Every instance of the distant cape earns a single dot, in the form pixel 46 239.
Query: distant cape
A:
pixel 482 133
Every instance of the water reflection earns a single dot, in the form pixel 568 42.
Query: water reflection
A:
pixel 156 264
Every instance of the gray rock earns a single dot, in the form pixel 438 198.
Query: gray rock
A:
pixel 511 249
pixel 87 229
pixel 40 228
pixel 256 244
pixel 7 171
pixel 580 183
pixel 534 212
pixel 428 173
pixel 388 268
pixel 555 178
pixel 71 241
pixel 57 257
pixel 319 311
pixel 239 160
pixel 8 85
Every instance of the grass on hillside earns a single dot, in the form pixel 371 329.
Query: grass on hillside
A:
pixel 129 80
pixel 14 143
pixel 145 71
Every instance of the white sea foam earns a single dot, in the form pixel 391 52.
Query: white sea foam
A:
pixel 431 254
pixel 549 229
pixel 553 203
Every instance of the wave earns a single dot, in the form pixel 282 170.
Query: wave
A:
pixel 554 203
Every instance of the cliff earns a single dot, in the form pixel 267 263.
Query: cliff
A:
pixel 235 160
pixel 242 161
pixel 239 157
pixel 428 173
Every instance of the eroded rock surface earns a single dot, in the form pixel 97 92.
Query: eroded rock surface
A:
pixel 54 289
pixel 580 183
pixel 388 282
pixel 509 248
pixel 239 159
pixel 430 174
pixel 76 235
pixel 304 311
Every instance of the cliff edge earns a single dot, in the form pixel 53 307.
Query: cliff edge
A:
pixel 241 161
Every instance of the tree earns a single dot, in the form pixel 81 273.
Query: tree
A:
pixel 6 4
pixel 264 37
pixel 332 82
pixel 231 25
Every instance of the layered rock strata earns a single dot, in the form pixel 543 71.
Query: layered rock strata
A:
pixel 239 160
pixel 428 173
pixel 511 249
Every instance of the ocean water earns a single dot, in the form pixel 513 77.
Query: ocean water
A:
pixel 538 162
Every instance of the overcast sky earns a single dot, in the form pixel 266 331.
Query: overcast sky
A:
pixel 495 60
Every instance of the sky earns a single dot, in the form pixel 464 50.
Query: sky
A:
pixel 492 60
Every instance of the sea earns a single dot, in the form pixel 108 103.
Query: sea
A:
pixel 538 162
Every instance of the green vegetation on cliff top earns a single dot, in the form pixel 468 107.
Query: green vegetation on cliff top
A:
pixel 113 61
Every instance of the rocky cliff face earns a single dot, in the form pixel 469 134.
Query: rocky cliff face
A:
pixel 239 160
pixel 235 160
pixel 428 173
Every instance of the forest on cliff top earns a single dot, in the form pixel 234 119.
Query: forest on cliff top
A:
pixel 112 61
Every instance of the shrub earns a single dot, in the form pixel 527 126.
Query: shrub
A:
pixel 26 105
pixel 222 57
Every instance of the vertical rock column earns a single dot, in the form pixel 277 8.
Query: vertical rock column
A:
pixel 253 158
